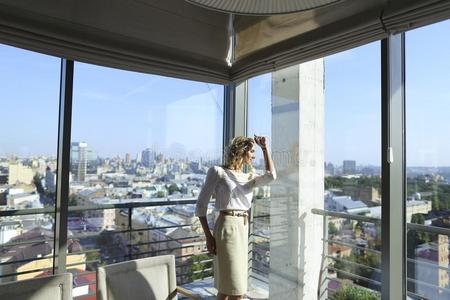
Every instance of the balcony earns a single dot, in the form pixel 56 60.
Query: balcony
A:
pixel 342 75
pixel 134 236
pixel 350 260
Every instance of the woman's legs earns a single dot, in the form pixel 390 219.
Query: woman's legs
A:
pixel 226 297
pixel 221 296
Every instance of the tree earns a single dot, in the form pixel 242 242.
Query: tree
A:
pixel 332 229
pixel 348 292
pixel 435 204
pixel 369 262
pixel 173 188
pixel 421 236
pixel 418 219
pixel 37 181
pixel 198 268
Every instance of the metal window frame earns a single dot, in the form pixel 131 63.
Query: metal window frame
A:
pixel 235 123
pixel 63 165
pixel 235 111
pixel 393 166
pixel 393 170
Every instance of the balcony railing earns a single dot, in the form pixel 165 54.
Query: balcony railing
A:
pixel 337 268
pixel 336 273
pixel 190 251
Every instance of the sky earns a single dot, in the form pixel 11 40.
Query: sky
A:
pixel 118 112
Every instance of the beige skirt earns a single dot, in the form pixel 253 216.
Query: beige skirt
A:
pixel 231 260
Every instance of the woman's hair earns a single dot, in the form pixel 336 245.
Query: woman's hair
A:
pixel 235 152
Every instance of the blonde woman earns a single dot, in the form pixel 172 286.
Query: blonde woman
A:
pixel 233 191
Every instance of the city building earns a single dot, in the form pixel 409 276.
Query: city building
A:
pixel 9 229
pixel 329 169
pixel 367 194
pixel 128 158
pixel 417 207
pixel 412 207
pixel 78 157
pixel 19 173
pixel 431 262
pixel 41 249
pixel 148 157
pixel 23 200
pixel 349 167
pixel 345 204
pixel 50 180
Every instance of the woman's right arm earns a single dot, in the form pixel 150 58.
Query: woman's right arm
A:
pixel 210 241
pixel 202 206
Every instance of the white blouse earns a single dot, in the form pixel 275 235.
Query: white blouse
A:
pixel 233 190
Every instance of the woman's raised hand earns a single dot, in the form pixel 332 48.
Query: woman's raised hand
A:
pixel 261 141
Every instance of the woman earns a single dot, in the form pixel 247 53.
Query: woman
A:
pixel 233 192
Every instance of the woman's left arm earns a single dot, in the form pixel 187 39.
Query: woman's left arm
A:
pixel 270 168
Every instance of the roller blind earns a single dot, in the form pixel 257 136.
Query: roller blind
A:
pixel 170 37
pixel 175 38
pixel 267 44
pixel 409 14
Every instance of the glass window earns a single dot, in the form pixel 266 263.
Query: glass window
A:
pixel 353 169
pixel 139 138
pixel 428 160
pixel 29 98
pixel 259 122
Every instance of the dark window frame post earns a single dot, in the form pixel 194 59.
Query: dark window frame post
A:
pixel 63 165
pixel 235 111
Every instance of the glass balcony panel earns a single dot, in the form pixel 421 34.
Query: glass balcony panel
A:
pixel 29 97
pixel 141 147
pixel 428 161
pixel 352 199
pixel 260 123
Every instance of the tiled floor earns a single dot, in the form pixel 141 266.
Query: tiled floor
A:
pixel 205 289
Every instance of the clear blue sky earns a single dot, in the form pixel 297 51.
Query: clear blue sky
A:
pixel 118 112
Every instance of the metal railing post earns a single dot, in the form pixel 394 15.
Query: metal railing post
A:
pixel 323 277
pixel 130 235
pixel 250 246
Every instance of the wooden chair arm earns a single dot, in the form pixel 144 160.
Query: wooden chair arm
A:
pixel 187 293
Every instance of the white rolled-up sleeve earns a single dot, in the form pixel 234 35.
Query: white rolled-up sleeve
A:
pixel 264 179
pixel 207 190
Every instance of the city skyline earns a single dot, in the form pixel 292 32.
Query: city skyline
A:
pixel 120 112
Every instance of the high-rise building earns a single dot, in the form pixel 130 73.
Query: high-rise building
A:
pixel 90 154
pixel 349 167
pixel 148 157
pixel 50 180
pixel 329 169
pixel 128 158
pixel 79 155
pixel 139 157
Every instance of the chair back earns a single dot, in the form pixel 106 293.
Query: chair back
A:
pixel 151 278
pixel 55 287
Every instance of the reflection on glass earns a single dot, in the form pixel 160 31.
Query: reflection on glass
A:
pixel 428 161
pixel 259 123
pixel 140 142
pixel 352 171
pixel 29 97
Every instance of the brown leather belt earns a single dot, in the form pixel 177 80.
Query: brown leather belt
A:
pixel 236 213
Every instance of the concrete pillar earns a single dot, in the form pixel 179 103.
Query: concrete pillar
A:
pixel 298 148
